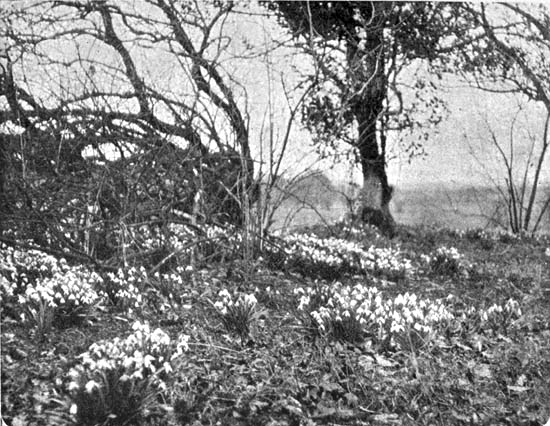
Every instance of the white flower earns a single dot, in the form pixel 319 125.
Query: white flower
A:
pixel 73 410
pixel 304 302
pixel 91 385
pixel 220 306
pixel 250 300
pixel 224 294
pixel 73 386
pixel 138 374
pixel 418 327
pixel 396 327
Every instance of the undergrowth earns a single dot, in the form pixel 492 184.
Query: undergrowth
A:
pixel 331 326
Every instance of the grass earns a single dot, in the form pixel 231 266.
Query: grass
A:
pixel 284 371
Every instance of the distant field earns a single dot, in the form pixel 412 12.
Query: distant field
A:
pixel 454 208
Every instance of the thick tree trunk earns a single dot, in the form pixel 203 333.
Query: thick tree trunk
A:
pixel 370 89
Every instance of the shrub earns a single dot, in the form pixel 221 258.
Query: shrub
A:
pixel 118 382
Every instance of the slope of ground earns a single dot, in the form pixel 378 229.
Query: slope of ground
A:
pixel 279 342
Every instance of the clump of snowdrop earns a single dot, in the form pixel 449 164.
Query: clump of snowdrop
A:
pixel 19 268
pixel 122 288
pixel 356 313
pixel 359 230
pixel 498 317
pixel 445 261
pixel 386 262
pixel 237 311
pixel 330 257
pixel 68 295
pixel 495 318
pixel 46 290
pixel 177 238
pixel 475 234
pixel 190 243
pixel 183 239
pixel 135 288
pixel 118 381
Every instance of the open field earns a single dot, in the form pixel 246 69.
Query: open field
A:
pixel 457 208
pixel 449 337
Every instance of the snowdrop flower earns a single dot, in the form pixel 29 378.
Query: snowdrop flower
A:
pixel 220 306
pixel 73 385
pixel 91 385
pixel 224 294
pixel 304 302
pixel 250 299
pixel 396 327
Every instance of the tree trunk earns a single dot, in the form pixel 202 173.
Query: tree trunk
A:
pixel 370 89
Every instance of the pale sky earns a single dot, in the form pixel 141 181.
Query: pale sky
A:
pixel 464 137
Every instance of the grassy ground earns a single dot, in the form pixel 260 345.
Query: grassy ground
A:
pixel 281 370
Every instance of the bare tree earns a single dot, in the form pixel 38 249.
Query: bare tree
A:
pixel 519 163
pixel 510 55
pixel 116 114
